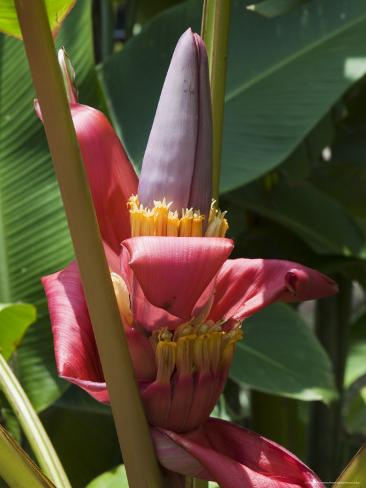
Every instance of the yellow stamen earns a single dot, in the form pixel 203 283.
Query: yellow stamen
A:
pixel 185 226
pixel 147 226
pixel 161 211
pixel 214 340
pixel 173 224
pixel 217 224
pixel 229 341
pixel 165 360
pixel 223 228
pixel 204 348
pixel 161 221
pixel 184 357
pixel 201 353
pixel 197 225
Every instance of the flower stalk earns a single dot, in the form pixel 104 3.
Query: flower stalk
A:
pixel 215 33
pixel 32 426
pixel 130 421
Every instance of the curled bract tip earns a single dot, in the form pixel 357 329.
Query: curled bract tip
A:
pixel 68 74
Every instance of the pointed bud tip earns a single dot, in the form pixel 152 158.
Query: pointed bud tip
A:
pixel 177 163
pixel 68 74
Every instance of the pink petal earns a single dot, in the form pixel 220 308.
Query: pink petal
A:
pixel 77 358
pixel 232 456
pixel 111 176
pixel 145 315
pixel 76 353
pixel 244 286
pixel 174 272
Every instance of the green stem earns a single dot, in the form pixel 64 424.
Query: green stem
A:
pixel 106 23
pixel 215 33
pixel 16 468
pixel 131 425
pixel 332 327
pixel 32 426
pixel 277 418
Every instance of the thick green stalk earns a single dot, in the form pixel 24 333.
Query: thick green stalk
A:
pixel 32 426
pixel 277 418
pixel 106 24
pixel 215 33
pixel 131 425
pixel 332 327
pixel 16 468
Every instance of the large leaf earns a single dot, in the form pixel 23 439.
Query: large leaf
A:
pixel 346 170
pixel 279 354
pixel 14 321
pixel 34 238
pixel 83 433
pixel 311 214
pixel 56 10
pixel 284 74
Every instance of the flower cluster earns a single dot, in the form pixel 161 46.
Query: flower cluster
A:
pixel 182 300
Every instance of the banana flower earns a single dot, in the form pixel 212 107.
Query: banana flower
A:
pixel 182 300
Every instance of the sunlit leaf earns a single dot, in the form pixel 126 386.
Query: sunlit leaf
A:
pixel 14 321
pixel 34 238
pixel 56 9
pixel 284 75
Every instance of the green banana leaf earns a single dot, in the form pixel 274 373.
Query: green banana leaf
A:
pixel 56 10
pixel 284 74
pixel 279 354
pixel 14 322
pixel 319 220
pixel 34 239
pixel 273 8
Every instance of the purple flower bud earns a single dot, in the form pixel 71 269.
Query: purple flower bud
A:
pixel 178 159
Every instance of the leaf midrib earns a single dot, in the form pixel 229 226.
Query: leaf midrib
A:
pixel 293 57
